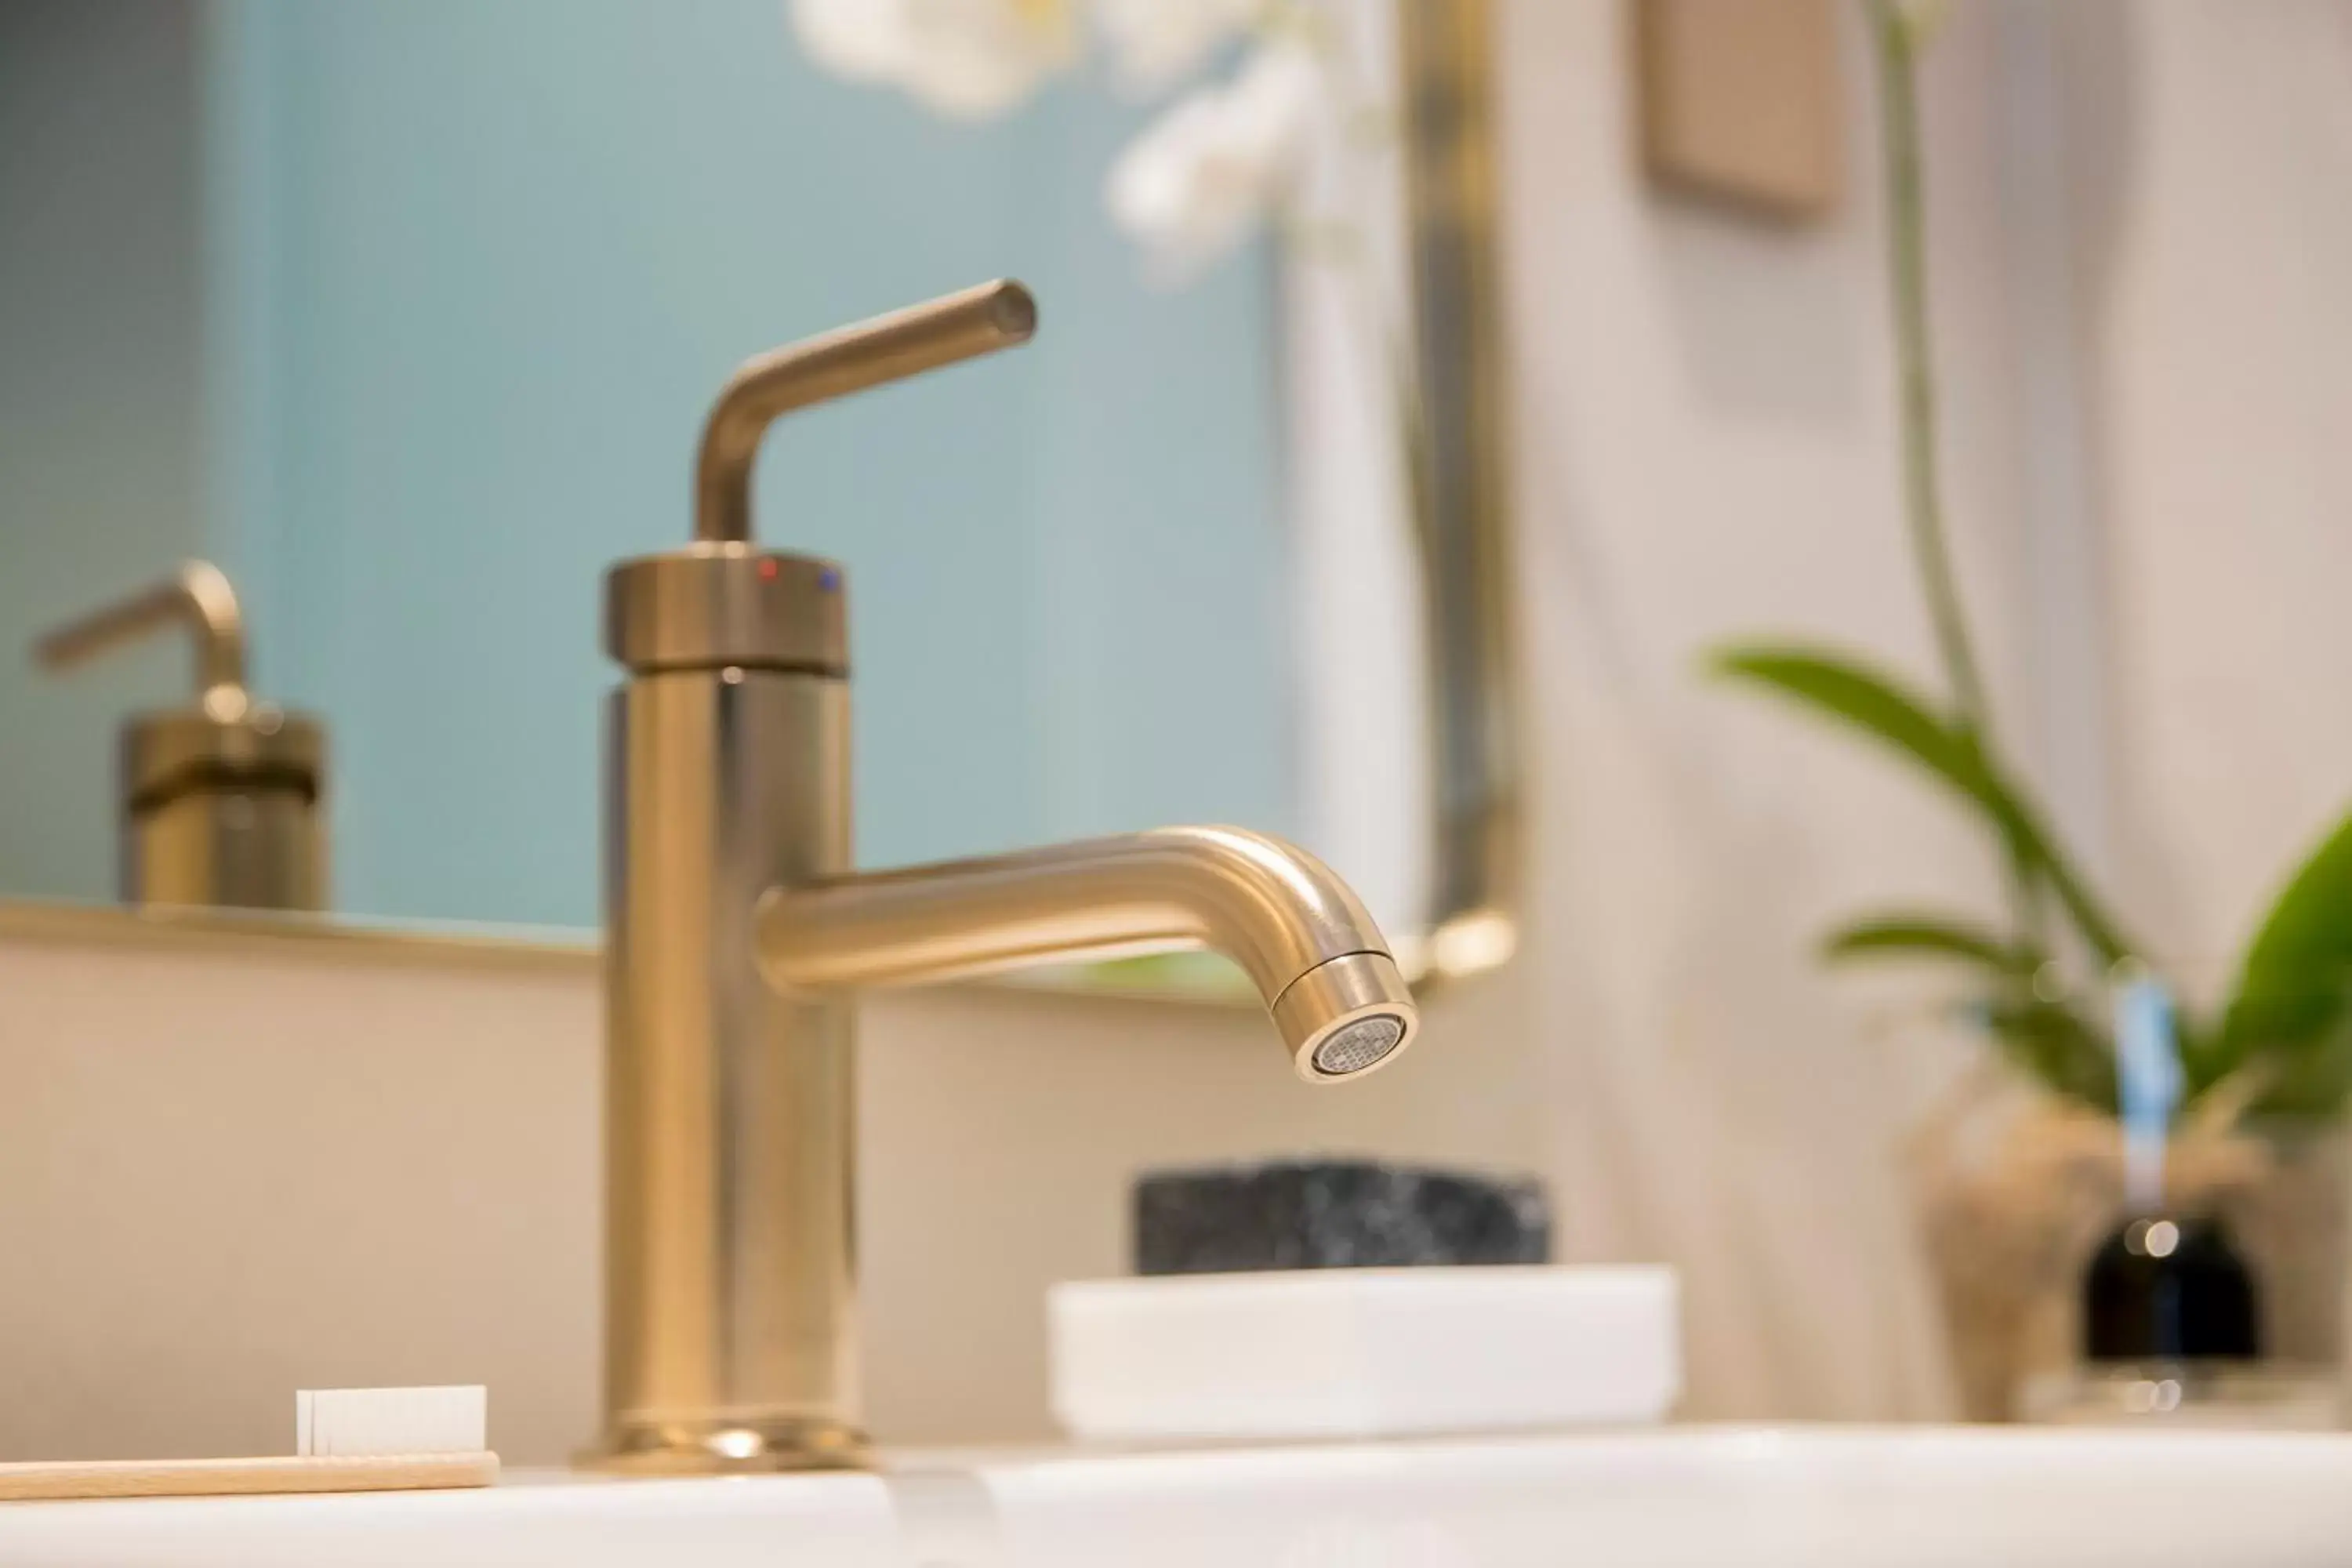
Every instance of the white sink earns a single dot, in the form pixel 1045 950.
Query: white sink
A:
pixel 1820 1497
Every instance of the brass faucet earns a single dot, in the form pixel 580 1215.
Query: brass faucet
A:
pixel 220 800
pixel 737 933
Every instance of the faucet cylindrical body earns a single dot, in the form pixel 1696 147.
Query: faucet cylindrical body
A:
pixel 224 814
pixel 730 1325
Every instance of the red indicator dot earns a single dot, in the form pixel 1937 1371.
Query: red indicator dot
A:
pixel 768 571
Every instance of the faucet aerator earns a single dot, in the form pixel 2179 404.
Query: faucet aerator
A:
pixel 1359 1047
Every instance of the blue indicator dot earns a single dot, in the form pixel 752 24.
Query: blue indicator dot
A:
pixel 829 580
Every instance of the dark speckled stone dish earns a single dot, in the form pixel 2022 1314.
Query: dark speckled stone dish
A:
pixel 1334 1213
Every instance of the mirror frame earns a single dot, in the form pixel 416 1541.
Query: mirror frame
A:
pixel 1461 522
pixel 1459 506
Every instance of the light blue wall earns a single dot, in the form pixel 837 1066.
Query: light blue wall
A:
pixel 477 272
pixel 100 459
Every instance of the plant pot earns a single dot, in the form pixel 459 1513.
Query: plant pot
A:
pixel 2015 1187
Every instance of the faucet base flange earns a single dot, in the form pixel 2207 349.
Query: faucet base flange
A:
pixel 729 1445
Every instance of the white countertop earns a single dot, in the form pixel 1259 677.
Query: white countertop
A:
pixel 1986 1498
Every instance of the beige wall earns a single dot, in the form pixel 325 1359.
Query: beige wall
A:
pixel 1707 451
pixel 2142 238
pixel 234 1169
pixel 2214 148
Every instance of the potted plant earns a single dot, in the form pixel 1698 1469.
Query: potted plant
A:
pixel 2265 1066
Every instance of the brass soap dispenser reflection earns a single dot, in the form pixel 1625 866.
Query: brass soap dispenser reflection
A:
pixel 220 801
pixel 737 933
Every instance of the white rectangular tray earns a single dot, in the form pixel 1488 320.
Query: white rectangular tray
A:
pixel 1364 1351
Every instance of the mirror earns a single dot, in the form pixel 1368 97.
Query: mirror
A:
pixel 406 319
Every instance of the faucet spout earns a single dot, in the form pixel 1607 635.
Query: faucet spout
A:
pixel 1317 960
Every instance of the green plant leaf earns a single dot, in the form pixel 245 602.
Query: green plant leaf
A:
pixel 2313 1078
pixel 2047 1038
pixel 2293 985
pixel 1850 692
pixel 2057 1044
pixel 1917 935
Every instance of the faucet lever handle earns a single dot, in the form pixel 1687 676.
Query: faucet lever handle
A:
pixel 199 597
pixel 849 358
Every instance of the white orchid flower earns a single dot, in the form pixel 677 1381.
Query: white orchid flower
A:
pixel 966 58
pixel 1208 172
pixel 1155 44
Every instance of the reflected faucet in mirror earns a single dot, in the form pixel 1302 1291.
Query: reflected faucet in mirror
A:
pixel 738 933
pixel 220 801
